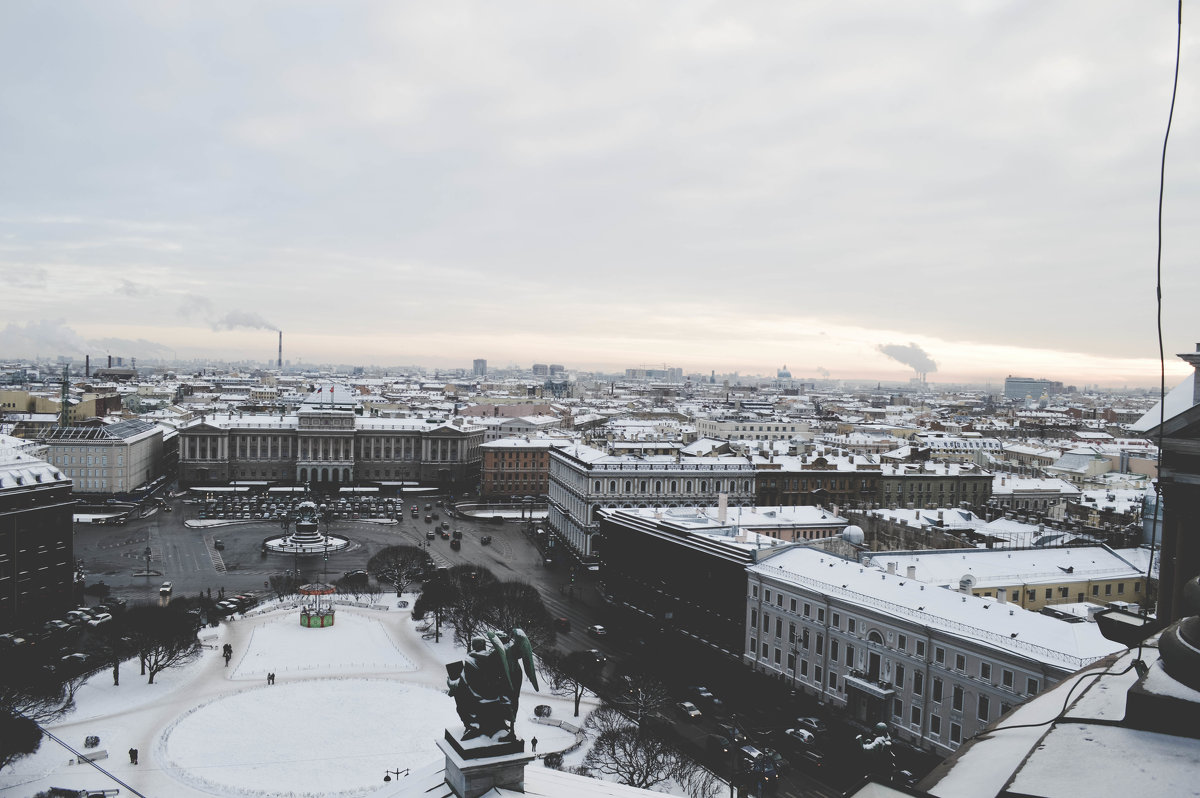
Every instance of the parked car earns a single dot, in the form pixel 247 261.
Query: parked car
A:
pixel 801 736
pixel 689 710
pixel 100 619
pixel 814 725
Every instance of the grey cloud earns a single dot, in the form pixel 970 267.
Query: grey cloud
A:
pixel 911 355
pixel 46 337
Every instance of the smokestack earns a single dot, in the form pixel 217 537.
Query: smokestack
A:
pixel 87 365
pixel 110 361
pixel 280 363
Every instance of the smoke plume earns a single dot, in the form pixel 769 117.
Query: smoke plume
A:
pixel 824 372
pixel 912 356
pixel 241 318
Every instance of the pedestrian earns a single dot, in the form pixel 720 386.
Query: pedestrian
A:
pixel 533 742
pixel 133 756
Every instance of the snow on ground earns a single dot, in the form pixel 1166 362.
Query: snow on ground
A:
pixel 318 737
pixel 350 701
pixel 354 644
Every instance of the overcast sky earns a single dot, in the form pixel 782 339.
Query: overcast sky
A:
pixel 729 186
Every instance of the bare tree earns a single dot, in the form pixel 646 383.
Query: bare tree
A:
pixel 568 675
pixel 643 697
pixel 398 566
pixel 162 638
pixel 371 591
pixel 283 585
pixel 519 605
pixel 350 587
pixel 632 758
pixel 32 692
pixel 695 779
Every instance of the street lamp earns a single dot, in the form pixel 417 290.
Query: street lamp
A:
pixel 147 553
pixel 397 773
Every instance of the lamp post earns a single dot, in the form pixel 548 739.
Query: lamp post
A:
pixel 147 553
pixel 387 774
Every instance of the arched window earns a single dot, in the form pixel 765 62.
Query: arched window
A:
pixel 642 486
pixel 658 486
pixel 688 486
pixel 596 486
pixel 704 486
pixel 612 486
pixel 628 486
pixel 746 486
pixel 674 486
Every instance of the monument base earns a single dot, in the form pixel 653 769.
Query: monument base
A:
pixel 479 765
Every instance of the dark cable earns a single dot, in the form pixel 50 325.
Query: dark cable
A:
pixel 1062 713
pixel 1162 358
pixel 81 758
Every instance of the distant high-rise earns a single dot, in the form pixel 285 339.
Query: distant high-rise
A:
pixel 541 370
pixel 480 367
pixel 1017 388
pixel 556 368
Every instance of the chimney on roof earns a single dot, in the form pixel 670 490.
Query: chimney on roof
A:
pixel 891 568
pixel 911 572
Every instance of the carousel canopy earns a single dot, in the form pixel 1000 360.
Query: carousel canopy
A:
pixel 316 589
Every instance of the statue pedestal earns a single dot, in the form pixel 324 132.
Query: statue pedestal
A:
pixel 476 766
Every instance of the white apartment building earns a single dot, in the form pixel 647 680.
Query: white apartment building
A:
pixel 936 665
pixel 584 481
pixel 750 429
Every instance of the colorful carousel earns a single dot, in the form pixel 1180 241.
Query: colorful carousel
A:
pixel 317 612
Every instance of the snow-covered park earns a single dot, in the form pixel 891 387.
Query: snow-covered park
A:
pixel 349 703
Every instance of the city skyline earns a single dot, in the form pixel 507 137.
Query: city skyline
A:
pixel 719 187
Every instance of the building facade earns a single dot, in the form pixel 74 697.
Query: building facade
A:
pixel 107 459
pixel 515 467
pixel 37 562
pixel 584 480
pixel 329 446
pixel 935 665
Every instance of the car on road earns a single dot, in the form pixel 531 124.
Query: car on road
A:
pixel 801 736
pixel 717 744
pixel 165 590
pixel 597 631
pixel 430 534
pixel 731 732
pixel 689 710
pixel 814 725
pixel 359 575
pixel 810 757
pixel 485 540
pixel 562 624
pixel 218 544
pixel 456 544
pixel 597 656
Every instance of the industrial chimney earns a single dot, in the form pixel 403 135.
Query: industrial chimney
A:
pixel 279 365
